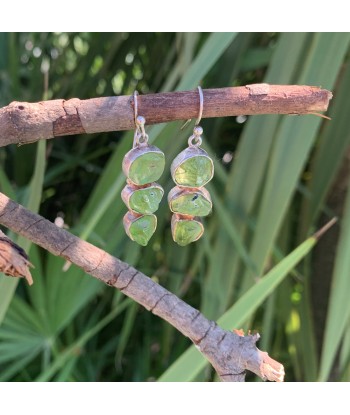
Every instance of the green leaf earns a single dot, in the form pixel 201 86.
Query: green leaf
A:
pixel 70 352
pixel 333 142
pixel 339 306
pixel 208 55
pixel 293 144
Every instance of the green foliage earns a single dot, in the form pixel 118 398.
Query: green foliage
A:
pixel 251 269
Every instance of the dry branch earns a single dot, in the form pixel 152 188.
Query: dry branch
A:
pixel 13 260
pixel 229 353
pixel 23 122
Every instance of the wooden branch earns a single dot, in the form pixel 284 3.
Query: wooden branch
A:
pixel 22 122
pixel 229 353
pixel 13 260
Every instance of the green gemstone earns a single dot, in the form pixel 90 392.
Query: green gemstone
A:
pixel 194 172
pixel 186 231
pixel 146 200
pixel 142 229
pixel 193 204
pixel 147 168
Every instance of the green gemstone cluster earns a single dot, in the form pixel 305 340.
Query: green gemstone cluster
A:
pixel 191 170
pixel 142 166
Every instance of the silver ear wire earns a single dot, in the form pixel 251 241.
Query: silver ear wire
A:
pixel 135 107
pixel 201 101
pixel 140 121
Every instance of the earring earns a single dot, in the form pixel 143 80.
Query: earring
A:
pixel 142 165
pixel 189 200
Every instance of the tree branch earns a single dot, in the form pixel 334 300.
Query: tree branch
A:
pixel 13 260
pixel 229 353
pixel 22 122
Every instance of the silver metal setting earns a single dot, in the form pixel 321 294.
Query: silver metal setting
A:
pixel 131 188
pixel 176 218
pixel 131 217
pixel 178 191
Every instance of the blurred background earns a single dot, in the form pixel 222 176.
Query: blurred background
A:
pixel 277 180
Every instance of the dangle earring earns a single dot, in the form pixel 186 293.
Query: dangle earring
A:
pixel 142 165
pixel 189 200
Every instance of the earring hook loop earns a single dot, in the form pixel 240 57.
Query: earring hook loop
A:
pixel 201 102
pixel 140 136
pixel 135 107
pixel 196 140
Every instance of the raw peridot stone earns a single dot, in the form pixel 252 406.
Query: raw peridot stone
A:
pixel 193 204
pixel 192 167
pixel 146 200
pixel 146 167
pixel 194 172
pixel 140 228
pixel 185 231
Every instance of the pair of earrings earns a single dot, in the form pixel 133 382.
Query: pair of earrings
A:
pixel 191 170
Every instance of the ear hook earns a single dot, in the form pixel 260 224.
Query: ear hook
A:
pixel 201 100
pixel 139 124
pixel 196 140
pixel 135 106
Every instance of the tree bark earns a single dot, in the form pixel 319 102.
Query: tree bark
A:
pixel 23 122
pixel 229 353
